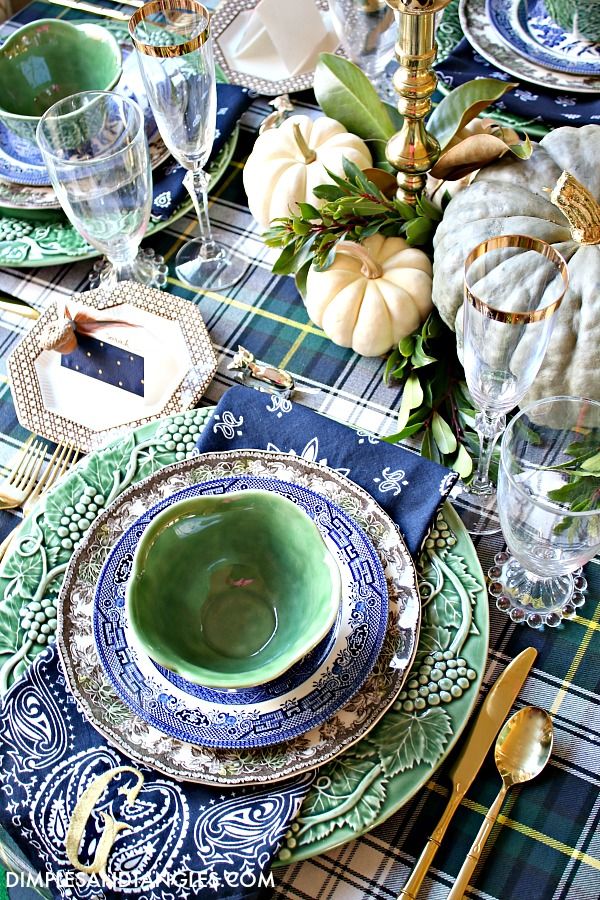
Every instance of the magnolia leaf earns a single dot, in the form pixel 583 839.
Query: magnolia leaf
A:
pixel 467 156
pixel 385 181
pixel 463 104
pixel 345 93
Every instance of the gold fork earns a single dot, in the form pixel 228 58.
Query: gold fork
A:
pixel 61 460
pixel 19 483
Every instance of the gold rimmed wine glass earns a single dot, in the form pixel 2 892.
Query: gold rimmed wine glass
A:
pixel 174 49
pixel 514 285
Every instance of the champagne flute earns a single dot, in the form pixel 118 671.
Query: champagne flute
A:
pixel 514 286
pixel 95 149
pixel 174 50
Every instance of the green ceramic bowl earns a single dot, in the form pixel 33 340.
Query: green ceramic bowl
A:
pixel 48 60
pixel 230 591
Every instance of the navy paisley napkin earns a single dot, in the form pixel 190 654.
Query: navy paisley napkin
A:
pixel 407 486
pixel 182 840
pixel 530 101
pixel 168 191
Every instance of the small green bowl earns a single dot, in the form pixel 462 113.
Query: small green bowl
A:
pixel 48 60
pixel 229 591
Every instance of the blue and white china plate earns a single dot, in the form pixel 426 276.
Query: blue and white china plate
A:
pixel 484 38
pixel 20 163
pixel 147 744
pixel 304 698
pixel 526 27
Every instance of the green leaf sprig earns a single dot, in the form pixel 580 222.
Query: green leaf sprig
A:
pixel 436 400
pixel 581 492
pixel 354 209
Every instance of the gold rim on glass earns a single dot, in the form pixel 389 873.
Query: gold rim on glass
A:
pixel 523 242
pixel 171 50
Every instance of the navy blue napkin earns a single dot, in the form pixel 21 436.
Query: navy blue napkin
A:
pixel 407 486
pixel 182 839
pixel 168 191
pixel 529 101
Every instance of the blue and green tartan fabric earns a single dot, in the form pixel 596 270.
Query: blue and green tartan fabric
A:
pixel 546 845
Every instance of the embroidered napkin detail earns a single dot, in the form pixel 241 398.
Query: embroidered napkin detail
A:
pixel 62 785
pixel 529 101
pixel 409 487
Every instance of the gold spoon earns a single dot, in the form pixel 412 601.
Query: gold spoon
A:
pixel 523 748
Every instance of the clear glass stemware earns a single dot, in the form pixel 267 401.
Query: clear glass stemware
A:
pixel 95 149
pixel 549 507
pixel 367 31
pixel 174 50
pixel 514 285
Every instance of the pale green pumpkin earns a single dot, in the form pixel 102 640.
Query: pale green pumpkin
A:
pixel 513 197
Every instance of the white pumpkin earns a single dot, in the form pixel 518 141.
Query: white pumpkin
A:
pixel 514 197
pixel 373 295
pixel 288 162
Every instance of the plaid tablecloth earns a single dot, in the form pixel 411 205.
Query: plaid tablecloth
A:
pixel 546 843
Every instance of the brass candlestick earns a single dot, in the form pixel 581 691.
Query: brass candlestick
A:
pixel 412 150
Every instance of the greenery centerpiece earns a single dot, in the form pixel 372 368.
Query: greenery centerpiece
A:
pixel 350 207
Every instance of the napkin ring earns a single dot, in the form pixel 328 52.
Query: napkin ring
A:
pixel 282 106
pixel 249 369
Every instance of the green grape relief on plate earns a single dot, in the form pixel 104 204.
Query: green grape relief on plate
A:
pixel 372 779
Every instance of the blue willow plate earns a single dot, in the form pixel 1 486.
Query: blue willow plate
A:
pixel 302 699
pixel 526 27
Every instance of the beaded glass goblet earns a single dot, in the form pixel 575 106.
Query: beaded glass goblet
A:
pixel 95 149
pixel 549 507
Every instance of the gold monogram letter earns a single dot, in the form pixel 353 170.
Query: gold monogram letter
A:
pixel 83 811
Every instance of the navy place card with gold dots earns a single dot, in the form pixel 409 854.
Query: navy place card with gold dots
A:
pixel 108 363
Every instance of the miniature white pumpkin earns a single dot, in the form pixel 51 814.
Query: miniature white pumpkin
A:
pixel 373 295
pixel 286 163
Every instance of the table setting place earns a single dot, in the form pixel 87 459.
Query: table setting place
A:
pixel 299 449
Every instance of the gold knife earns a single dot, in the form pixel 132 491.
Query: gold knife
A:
pixel 491 716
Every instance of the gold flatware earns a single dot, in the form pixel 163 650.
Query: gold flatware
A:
pixel 522 750
pixel 92 8
pixel 61 460
pixel 492 714
pixel 21 480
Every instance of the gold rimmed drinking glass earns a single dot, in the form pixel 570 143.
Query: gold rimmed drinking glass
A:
pixel 174 50
pixel 513 288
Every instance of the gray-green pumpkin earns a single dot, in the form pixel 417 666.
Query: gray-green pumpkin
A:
pixel 513 197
